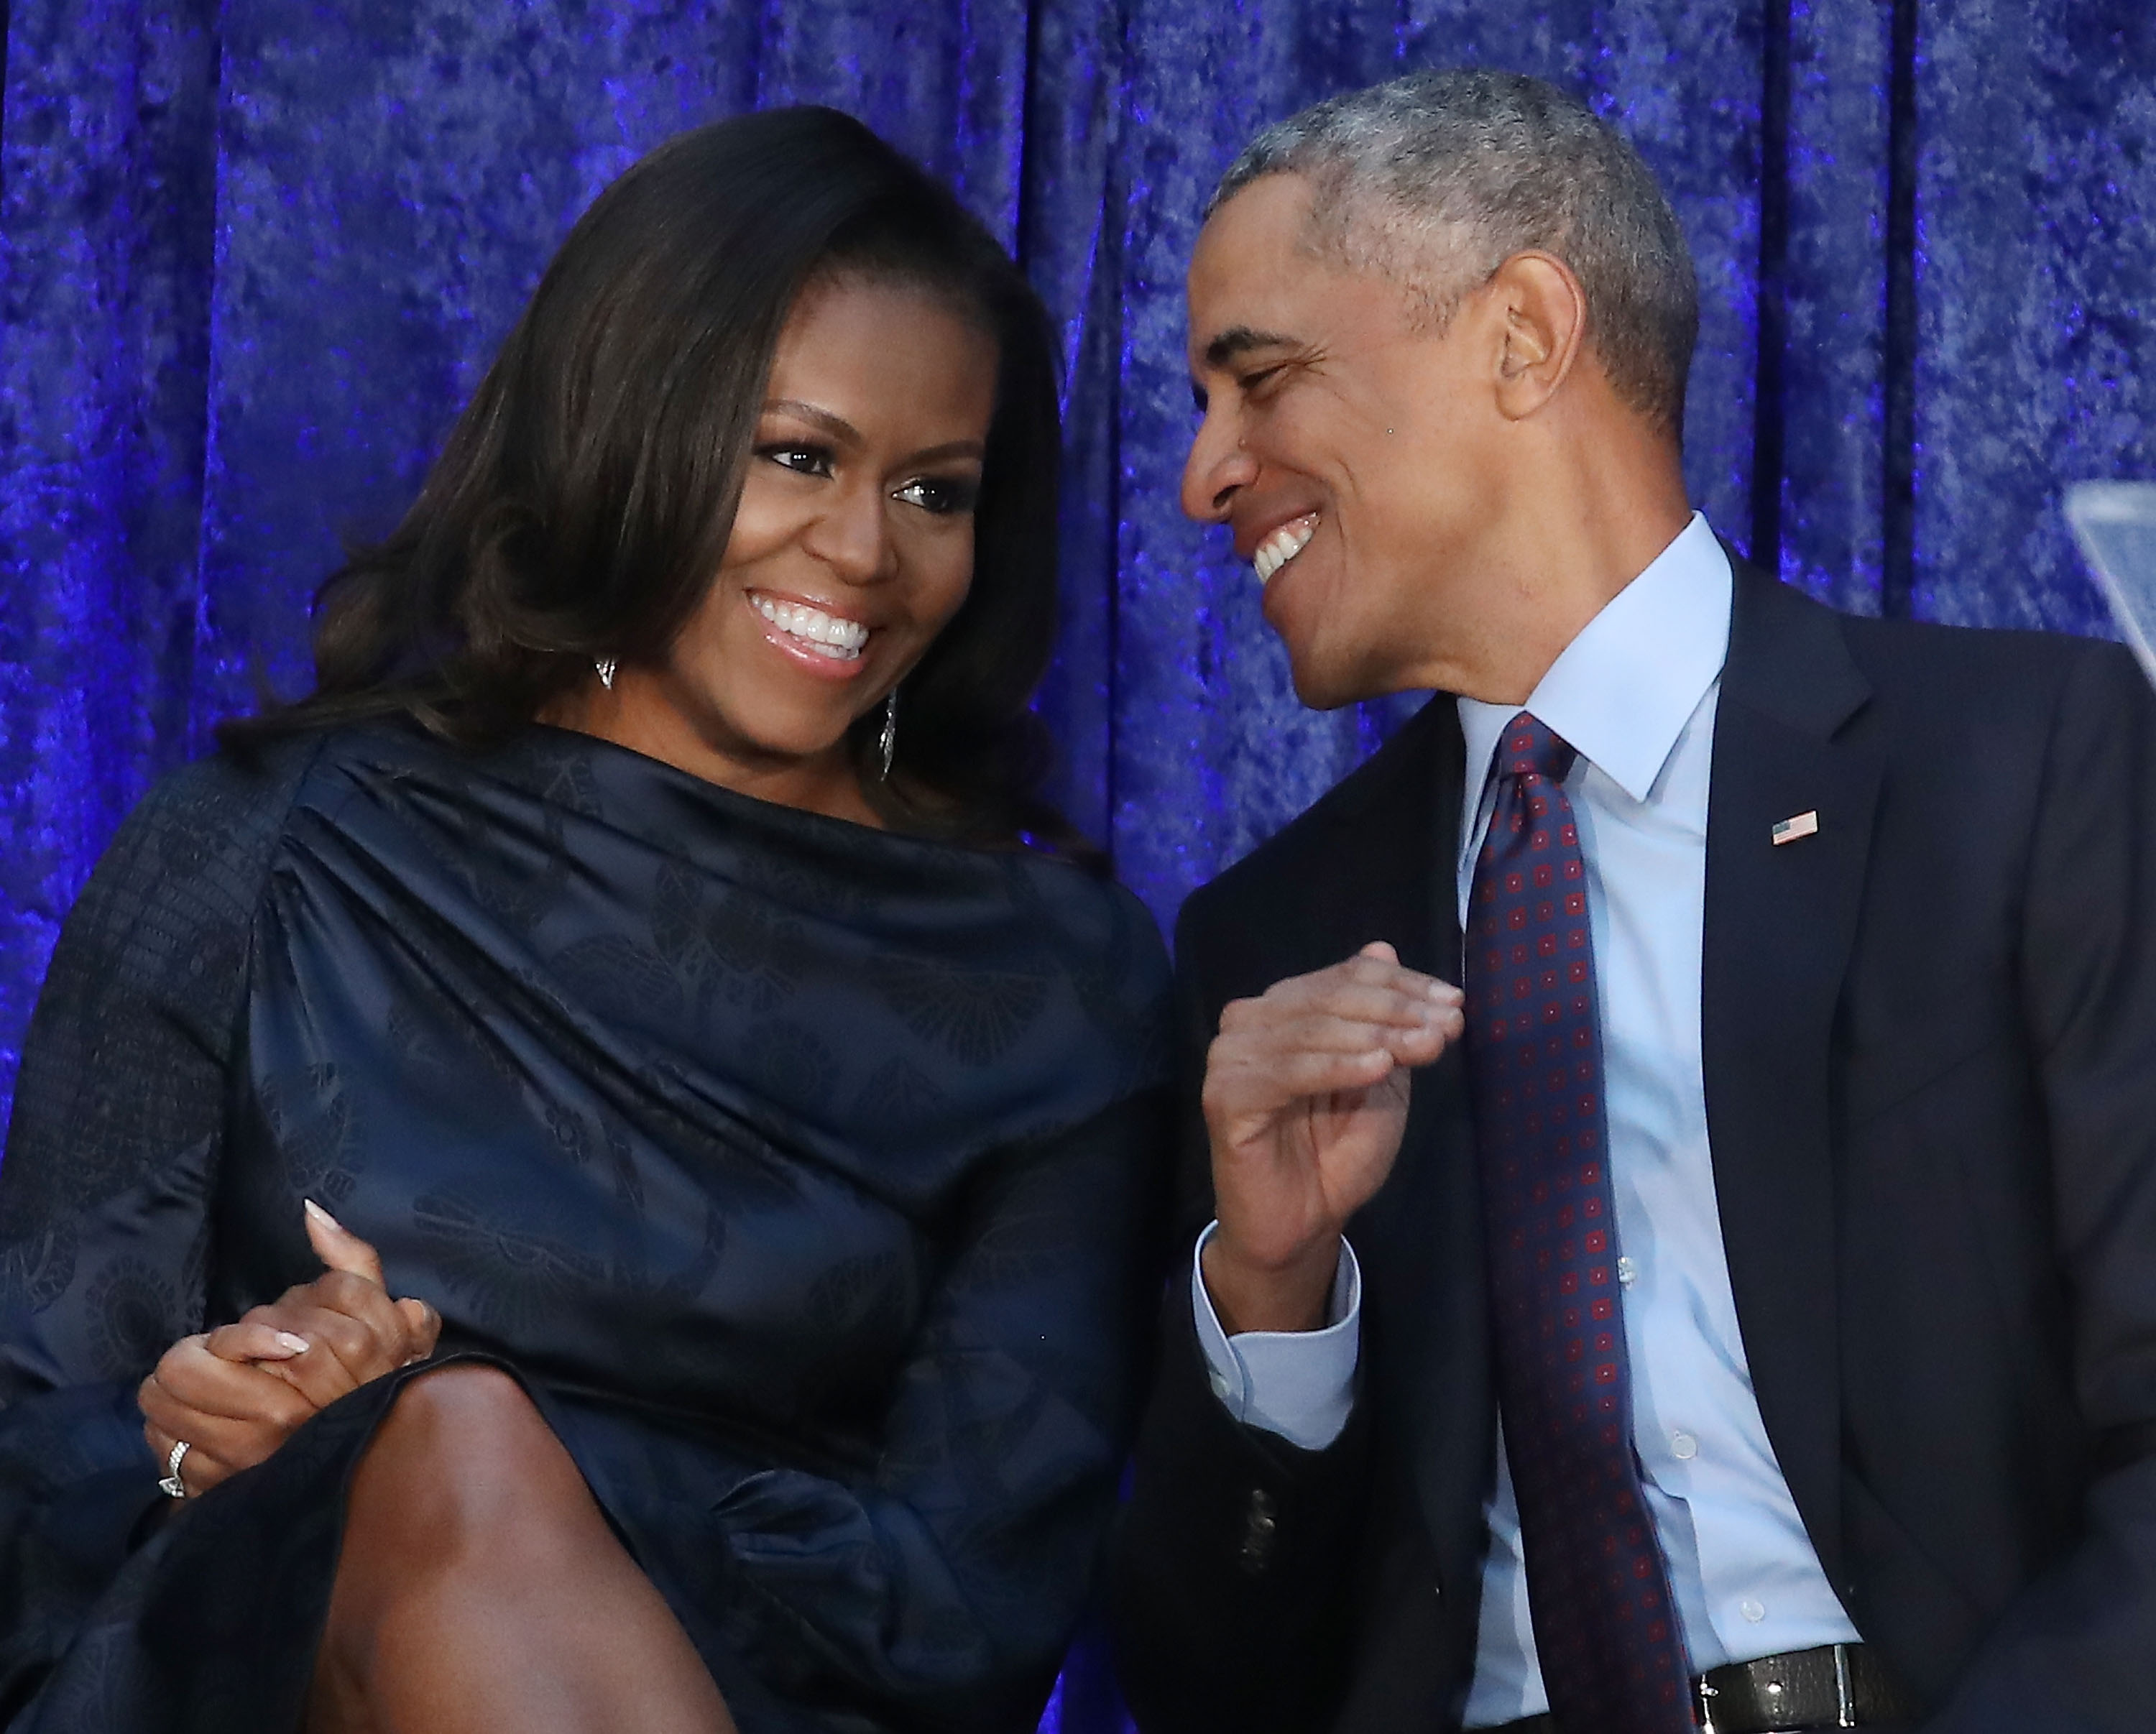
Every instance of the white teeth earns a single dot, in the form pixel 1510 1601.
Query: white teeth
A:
pixel 830 635
pixel 1282 546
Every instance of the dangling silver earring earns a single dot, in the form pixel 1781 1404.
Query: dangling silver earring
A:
pixel 887 741
pixel 605 666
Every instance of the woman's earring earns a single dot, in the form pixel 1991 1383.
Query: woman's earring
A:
pixel 605 666
pixel 887 741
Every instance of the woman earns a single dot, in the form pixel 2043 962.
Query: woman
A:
pixel 642 972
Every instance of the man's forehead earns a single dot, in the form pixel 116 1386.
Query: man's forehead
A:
pixel 1243 270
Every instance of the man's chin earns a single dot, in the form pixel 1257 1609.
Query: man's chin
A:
pixel 1321 685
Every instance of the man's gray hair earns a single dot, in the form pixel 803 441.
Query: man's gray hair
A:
pixel 1436 179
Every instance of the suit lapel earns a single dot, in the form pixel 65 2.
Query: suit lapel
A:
pixel 1780 920
pixel 1421 1239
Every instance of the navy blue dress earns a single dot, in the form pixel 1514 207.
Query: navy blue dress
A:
pixel 806 1175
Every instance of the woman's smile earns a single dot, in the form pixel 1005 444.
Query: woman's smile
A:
pixel 820 637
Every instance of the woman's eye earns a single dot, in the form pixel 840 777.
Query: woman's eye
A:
pixel 943 495
pixel 802 459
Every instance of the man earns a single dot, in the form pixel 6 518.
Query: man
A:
pixel 1742 1309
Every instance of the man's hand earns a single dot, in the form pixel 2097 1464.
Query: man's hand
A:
pixel 1306 1098
pixel 237 1392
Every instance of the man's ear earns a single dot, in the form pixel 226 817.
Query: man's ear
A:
pixel 1543 312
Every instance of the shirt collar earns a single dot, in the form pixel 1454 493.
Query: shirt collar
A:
pixel 1622 691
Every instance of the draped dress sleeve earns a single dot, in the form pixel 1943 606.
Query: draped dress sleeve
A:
pixel 105 1193
pixel 940 1588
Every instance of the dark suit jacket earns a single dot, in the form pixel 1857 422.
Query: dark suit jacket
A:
pixel 1930 1058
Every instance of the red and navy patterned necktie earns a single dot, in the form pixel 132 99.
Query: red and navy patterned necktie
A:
pixel 1613 1658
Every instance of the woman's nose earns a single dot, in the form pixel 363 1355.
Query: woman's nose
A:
pixel 851 536
pixel 1216 466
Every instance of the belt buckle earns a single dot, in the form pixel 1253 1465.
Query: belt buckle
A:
pixel 1705 1695
pixel 1844 1691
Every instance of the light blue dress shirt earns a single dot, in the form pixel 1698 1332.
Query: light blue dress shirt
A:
pixel 1635 694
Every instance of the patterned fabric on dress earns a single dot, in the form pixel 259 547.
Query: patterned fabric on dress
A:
pixel 1613 1658
pixel 805 1174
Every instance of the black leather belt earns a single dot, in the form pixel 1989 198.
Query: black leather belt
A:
pixel 1838 1686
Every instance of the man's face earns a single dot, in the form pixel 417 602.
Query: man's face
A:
pixel 1350 454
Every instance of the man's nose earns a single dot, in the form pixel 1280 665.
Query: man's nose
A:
pixel 851 534
pixel 1217 465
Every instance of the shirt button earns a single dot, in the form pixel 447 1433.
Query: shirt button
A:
pixel 1685 1446
pixel 1754 1611
pixel 1626 1270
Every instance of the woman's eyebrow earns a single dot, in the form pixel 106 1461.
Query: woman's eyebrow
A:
pixel 837 426
pixel 846 434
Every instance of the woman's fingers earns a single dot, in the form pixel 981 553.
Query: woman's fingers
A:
pixel 236 1393
pixel 254 1412
pixel 357 1337
pixel 423 1327
pixel 254 1338
pixel 409 1328
pixel 190 1377
pixel 338 1247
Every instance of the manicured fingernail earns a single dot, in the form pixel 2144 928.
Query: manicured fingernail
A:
pixel 321 1215
pixel 293 1344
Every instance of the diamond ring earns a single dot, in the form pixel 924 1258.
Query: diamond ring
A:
pixel 173 1484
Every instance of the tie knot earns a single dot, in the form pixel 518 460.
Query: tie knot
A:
pixel 1530 747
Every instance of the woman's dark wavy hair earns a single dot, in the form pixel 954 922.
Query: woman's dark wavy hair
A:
pixel 584 500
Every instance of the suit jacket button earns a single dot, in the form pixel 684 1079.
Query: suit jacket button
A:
pixel 1259 1529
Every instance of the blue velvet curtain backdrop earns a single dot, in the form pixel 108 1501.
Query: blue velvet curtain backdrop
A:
pixel 254 254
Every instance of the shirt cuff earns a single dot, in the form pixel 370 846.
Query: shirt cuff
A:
pixel 1299 1384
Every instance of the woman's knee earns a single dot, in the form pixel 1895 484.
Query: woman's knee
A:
pixel 463 1448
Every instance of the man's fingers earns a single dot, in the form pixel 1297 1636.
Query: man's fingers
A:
pixel 1265 1047
pixel 338 1247
pixel 1362 981
pixel 1353 1002
pixel 1290 1077
pixel 1264 1069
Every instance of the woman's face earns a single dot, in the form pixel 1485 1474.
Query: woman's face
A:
pixel 852 548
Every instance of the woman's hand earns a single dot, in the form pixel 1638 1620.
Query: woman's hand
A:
pixel 237 1392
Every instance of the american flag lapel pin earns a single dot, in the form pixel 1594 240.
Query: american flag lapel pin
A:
pixel 1788 830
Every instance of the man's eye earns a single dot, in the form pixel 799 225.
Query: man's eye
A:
pixel 802 459
pixel 943 496
pixel 1249 382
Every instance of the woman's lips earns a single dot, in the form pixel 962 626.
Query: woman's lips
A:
pixel 822 643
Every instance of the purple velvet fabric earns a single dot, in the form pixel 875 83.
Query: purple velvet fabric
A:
pixel 253 253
